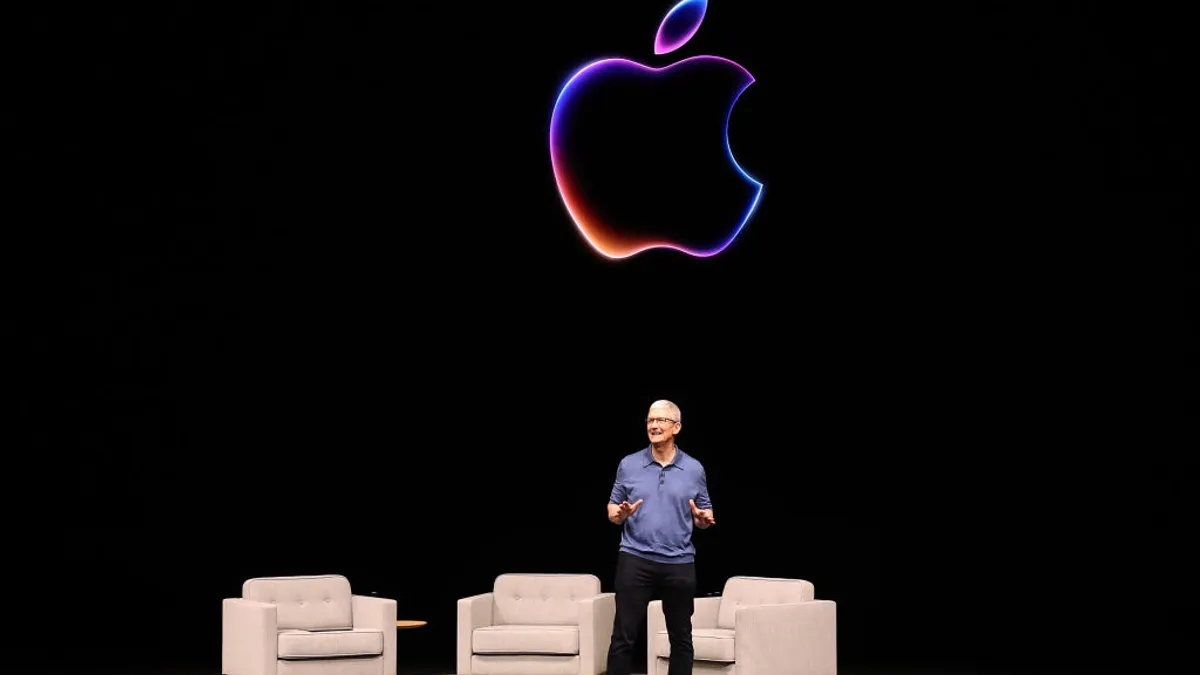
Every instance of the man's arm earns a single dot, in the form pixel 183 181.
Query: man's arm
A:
pixel 617 497
pixel 702 511
pixel 702 499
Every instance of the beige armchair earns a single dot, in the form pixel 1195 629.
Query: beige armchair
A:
pixel 536 624
pixel 758 626
pixel 307 625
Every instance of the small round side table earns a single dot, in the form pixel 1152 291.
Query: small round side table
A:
pixel 405 624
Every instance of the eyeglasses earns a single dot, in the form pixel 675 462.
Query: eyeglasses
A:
pixel 660 420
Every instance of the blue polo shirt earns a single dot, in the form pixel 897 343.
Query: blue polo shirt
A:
pixel 661 528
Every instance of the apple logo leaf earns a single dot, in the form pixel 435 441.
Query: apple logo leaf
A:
pixel 679 25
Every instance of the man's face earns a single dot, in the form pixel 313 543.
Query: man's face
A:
pixel 660 425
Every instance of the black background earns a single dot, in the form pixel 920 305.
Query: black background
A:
pixel 294 293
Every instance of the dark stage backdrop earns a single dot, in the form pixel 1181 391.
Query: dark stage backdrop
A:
pixel 300 296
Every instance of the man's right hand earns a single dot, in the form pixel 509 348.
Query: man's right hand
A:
pixel 622 511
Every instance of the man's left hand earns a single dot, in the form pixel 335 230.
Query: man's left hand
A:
pixel 701 518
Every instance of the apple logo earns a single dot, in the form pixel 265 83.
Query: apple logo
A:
pixel 641 154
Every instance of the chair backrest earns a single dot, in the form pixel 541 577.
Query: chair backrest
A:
pixel 306 603
pixel 541 599
pixel 742 591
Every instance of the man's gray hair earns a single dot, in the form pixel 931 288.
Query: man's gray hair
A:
pixel 675 413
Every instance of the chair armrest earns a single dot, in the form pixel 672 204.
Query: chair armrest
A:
pixel 378 614
pixel 596 616
pixel 249 637
pixel 706 612
pixel 473 612
pixel 704 615
pixel 798 638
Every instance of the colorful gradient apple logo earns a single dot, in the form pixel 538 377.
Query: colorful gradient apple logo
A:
pixel 634 109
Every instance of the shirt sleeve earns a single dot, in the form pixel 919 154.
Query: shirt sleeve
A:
pixel 702 500
pixel 619 492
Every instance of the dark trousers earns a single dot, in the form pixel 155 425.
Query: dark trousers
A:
pixel 637 582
